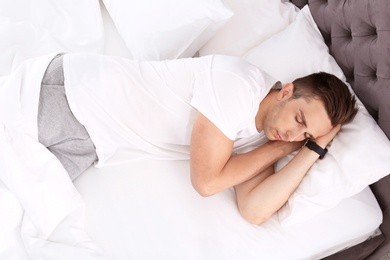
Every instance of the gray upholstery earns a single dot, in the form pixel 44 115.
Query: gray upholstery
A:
pixel 358 35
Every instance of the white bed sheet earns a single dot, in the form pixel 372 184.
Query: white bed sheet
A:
pixel 148 210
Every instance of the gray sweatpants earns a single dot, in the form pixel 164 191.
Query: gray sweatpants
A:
pixel 58 129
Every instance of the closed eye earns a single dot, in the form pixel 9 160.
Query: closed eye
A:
pixel 298 120
pixel 302 121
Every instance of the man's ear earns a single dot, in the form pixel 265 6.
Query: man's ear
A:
pixel 286 92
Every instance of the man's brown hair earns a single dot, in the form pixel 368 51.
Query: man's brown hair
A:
pixel 339 102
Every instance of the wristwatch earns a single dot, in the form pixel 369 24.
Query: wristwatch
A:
pixel 316 148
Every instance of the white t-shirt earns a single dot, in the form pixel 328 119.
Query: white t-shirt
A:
pixel 134 109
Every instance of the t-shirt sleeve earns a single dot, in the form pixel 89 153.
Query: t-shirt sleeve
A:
pixel 227 99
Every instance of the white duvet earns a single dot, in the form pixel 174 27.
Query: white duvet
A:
pixel 38 200
pixel 143 209
pixel 39 182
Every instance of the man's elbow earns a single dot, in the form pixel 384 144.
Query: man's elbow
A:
pixel 204 188
pixel 255 217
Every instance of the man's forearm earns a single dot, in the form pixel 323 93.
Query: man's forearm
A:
pixel 257 204
pixel 242 167
pixel 262 196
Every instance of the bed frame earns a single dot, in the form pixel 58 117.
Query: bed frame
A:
pixel 357 33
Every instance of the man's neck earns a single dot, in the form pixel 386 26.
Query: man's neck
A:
pixel 264 107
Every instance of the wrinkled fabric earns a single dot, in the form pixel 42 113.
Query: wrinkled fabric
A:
pixel 35 176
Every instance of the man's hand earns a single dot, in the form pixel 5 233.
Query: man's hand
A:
pixel 324 140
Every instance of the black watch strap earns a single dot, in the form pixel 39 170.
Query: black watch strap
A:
pixel 316 148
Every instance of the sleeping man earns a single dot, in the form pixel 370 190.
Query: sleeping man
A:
pixel 100 110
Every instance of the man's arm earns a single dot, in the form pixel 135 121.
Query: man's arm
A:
pixel 266 193
pixel 214 168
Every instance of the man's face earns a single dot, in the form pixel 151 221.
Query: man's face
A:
pixel 293 120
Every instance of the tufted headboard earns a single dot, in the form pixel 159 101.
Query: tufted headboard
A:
pixel 357 33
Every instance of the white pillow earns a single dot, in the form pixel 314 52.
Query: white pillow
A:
pixel 76 24
pixel 295 52
pixel 167 29
pixel 253 22
pixel 47 27
pixel 358 155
